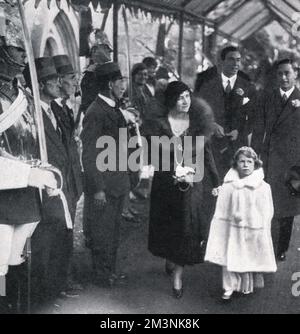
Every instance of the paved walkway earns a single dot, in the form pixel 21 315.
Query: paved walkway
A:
pixel 149 289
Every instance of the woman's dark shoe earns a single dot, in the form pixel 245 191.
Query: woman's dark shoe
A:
pixel 281 257
pixel 177 293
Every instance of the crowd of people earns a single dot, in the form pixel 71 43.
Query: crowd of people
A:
pixel 238 214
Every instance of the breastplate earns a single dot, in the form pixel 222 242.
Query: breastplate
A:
pixel 19 137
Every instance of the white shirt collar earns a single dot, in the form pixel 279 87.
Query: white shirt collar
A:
pixel 47 109
pixel 287 93
pixel 68 102
pixel 225 80
pixel 151 89
pixel 45 105
pixel 109 101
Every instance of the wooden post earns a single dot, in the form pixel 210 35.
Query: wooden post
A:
pixel 181 26
pixel 115 29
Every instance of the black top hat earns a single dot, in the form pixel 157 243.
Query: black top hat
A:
pixel 63 65
pixel 45 70
pixel 292 180
pixel 108 71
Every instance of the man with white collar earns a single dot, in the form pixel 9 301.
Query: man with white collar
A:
pixel 63 111
pixel 105 191
pixel 53 239
pixel 232 98
pixel 277 139
pixel 62 106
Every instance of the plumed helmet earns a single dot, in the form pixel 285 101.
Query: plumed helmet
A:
pixel 100 38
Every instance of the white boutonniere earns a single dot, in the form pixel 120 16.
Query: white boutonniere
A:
pixel 245 100
pixel 240 91
pixel 296 103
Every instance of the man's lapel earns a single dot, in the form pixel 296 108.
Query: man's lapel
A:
pixel 110 112
pixel 273 111
pixel 52 135
pixel 288 108
pixel 237 99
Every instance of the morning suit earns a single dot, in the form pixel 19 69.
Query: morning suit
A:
pixel 233 111
pixel 277 139
pixel 52 242
pixel 102 224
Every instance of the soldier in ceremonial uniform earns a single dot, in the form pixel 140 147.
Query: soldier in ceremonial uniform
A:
pixel 20 175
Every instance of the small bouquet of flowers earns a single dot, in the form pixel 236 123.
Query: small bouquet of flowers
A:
pixel 240 92
pixel 184 175
pixel 296 103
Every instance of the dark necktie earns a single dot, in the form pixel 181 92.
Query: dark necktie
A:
pixel 284 99
pixel 228 88
pixel 68 112
pixel 121 119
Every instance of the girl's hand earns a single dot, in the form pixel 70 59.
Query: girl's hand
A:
pixel 215 191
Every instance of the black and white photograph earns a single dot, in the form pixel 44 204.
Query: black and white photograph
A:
pixel 149 159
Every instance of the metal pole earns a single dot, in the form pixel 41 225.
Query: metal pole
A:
pixel 35 88
pixel 38 116
pixel 128 53
pixel 115 29
pixel 181 26
pixel 28 255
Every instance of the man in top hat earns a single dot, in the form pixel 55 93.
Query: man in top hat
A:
pixel 53 238
pixel 62 106
pixel 62 109
pixel 277 138
pixel 100 53
pixel 105 190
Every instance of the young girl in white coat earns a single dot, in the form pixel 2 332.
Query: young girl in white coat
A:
pixel 240 233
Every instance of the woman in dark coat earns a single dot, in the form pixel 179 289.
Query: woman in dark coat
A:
pixel 176 226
